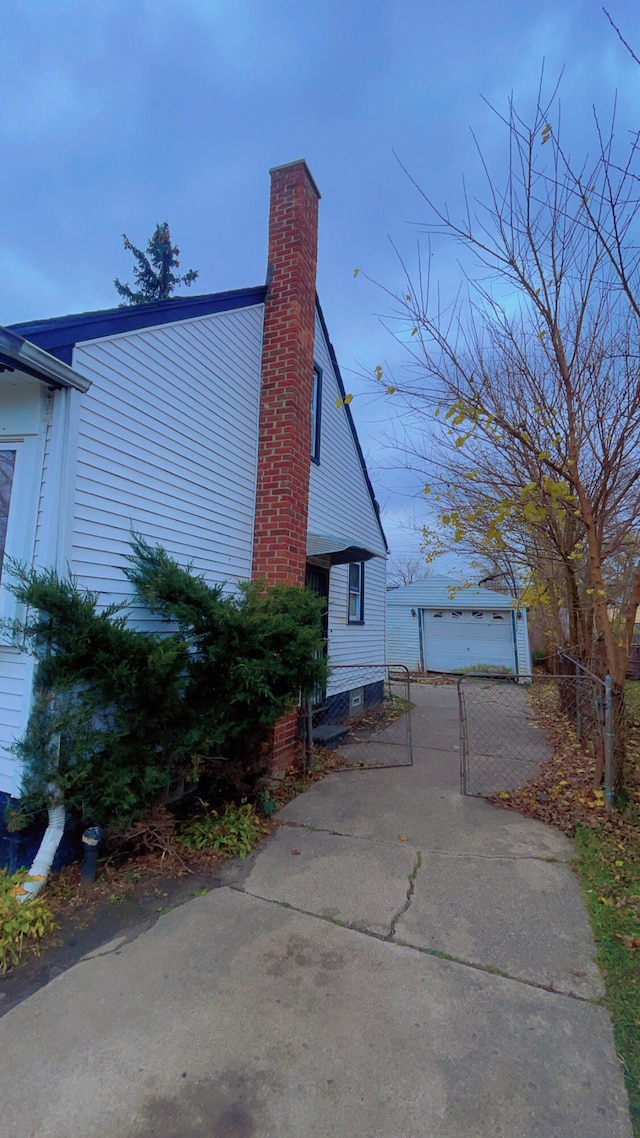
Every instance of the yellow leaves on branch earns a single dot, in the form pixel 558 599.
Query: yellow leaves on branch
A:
pixel 343 402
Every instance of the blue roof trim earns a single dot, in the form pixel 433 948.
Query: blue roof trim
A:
pixel 59 334
pixel 342 389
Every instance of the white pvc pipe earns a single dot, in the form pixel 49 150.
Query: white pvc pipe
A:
pixel 42 862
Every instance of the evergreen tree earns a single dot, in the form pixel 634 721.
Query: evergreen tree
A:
pixel 153 271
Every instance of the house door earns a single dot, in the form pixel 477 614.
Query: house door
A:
pixel 318 580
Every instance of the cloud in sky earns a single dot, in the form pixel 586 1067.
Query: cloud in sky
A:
pixel 120 113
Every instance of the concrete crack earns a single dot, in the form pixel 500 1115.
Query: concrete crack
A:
pixel 285 824
pixel 490 970
pixel 395 942
pixel 323 830
pixel 412 881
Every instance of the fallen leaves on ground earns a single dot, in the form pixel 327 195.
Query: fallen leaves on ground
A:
pixel 564 793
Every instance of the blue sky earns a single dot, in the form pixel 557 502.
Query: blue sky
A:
pixel 116 114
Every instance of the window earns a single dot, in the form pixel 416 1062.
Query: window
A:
pixel 316 414
pixel 437 615
pixel 456 614
pixel 20 478
pixel 477 615
pixel 498 616
pixel 356 592
pixel 7 470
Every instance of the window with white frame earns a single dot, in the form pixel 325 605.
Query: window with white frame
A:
pixel 356 592
pixel 7 472
pixel 20 477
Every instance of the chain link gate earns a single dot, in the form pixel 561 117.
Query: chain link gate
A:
pixel 502 746
pixel 364 716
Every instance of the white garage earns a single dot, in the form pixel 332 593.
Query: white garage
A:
pixel 438 625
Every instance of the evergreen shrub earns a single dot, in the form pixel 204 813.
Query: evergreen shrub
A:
pixel 120 713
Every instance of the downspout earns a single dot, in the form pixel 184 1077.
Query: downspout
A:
pixel 62 459
pixel 42 862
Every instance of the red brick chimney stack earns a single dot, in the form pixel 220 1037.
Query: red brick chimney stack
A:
pixel 284 448
pixel 284 438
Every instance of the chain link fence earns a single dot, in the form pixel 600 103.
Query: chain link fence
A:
pixel 612 723
pixel 502 746
pixel 364 716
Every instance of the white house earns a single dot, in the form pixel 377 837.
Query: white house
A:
pixel 437 625
pixel 214 425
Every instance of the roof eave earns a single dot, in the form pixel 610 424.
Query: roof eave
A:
pixel 18 354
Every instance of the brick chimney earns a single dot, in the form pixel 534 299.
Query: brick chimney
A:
pixel 284 446
pixel 284 439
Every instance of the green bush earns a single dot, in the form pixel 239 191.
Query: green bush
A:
pixel 233 833
pixel 120 713
pixel 20 922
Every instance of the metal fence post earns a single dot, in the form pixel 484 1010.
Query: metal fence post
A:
pixel 463 739
pixel 609 743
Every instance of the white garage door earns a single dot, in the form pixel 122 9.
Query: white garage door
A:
pixel 465 638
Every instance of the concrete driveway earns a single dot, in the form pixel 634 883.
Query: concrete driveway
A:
pixel 396 962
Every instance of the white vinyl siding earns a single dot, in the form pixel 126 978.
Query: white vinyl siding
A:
pixel 24 427
pixel 44 480
pixel 523 647
pixel 168 448
pixel 403 637
pixel 340 505
pixel 16 678
pixel 359 643
pixel 339 499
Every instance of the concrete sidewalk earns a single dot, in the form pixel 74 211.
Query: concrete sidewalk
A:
pixel 396 962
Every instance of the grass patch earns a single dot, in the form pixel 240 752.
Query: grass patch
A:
pixel 233 833
pixel 564 795
pixel 610 874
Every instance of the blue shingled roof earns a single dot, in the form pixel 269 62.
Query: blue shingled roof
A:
pixel 59 334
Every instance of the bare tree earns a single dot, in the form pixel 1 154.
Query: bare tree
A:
pixel 406 570
pixel 533 376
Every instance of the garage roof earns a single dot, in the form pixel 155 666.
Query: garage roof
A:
pixel 448 593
